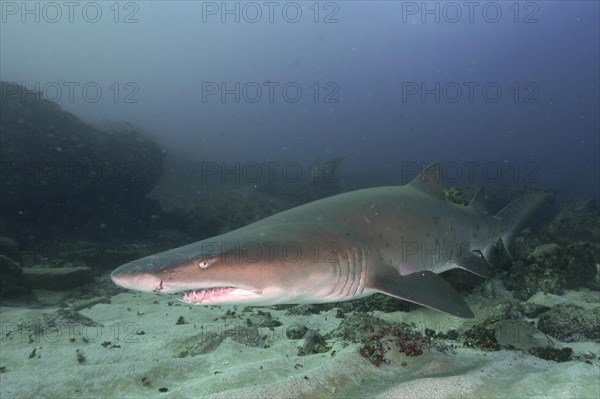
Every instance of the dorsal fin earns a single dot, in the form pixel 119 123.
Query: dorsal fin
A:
pixel 478 201
pixel 430 181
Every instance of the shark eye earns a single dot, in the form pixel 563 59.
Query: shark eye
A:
pixel 203 263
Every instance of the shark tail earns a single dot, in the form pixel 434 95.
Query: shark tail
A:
pixel 509 221
pixel 514 215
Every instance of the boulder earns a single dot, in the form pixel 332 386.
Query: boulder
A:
pixel 57 278
pixel 77 172
pixel 10 277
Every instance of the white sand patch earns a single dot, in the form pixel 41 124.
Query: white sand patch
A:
pixel 581 297
pixel 134 351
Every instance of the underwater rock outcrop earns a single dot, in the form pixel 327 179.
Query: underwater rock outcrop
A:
pixel 551 268
pixel 57 278
pixel 379 337
pixel 563 256
pixel 578 221
pixel 570 323
pixel 59 170
pixel 11 271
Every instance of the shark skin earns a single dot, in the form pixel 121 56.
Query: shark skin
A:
pixel 391 240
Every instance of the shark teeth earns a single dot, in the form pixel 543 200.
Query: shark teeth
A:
pixel 205 295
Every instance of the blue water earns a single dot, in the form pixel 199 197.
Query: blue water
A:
pixel 502 91
pixel 243 96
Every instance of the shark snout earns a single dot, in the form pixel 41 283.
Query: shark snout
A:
pixel 145 282
pixel 148 274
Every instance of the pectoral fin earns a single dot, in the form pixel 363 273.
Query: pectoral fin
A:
pixel 424 288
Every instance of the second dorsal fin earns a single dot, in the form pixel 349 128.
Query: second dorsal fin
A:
pixel 478 201
pixel 430 181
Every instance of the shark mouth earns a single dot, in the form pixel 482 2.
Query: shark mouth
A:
pixel 206 295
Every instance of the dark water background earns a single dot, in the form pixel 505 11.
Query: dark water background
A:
pixel 503 92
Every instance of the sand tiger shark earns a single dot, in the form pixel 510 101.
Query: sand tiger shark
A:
pixel 391 240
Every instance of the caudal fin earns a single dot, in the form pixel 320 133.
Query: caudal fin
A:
pixel 513 216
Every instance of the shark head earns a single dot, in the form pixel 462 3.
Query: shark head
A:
pixel 203 279
pixel 240 267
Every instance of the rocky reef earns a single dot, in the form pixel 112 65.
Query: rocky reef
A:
pixel 64 182
pixel 563 254
pixel 59 171
pixel 11 271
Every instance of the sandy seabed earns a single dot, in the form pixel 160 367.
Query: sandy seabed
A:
pixel 132 348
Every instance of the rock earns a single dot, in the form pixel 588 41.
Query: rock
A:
pixel 313 343
pixel 378 337
pixel 88 303
pixel 524 245
pixel 296 332
pixel 526 280
pixel 10 248
pixel 533 310
pixel 10 277
pixel 551 268
pixel 553 354
pixel 571 323
pixel 482 337
pixel 263 320
pixel 519 334
pixel 494 288
pixel 82 177
pixel 549 254
pixel 50 298
pixel 199 344
pixel 580 266
pixel 59 278
pixel 578 221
